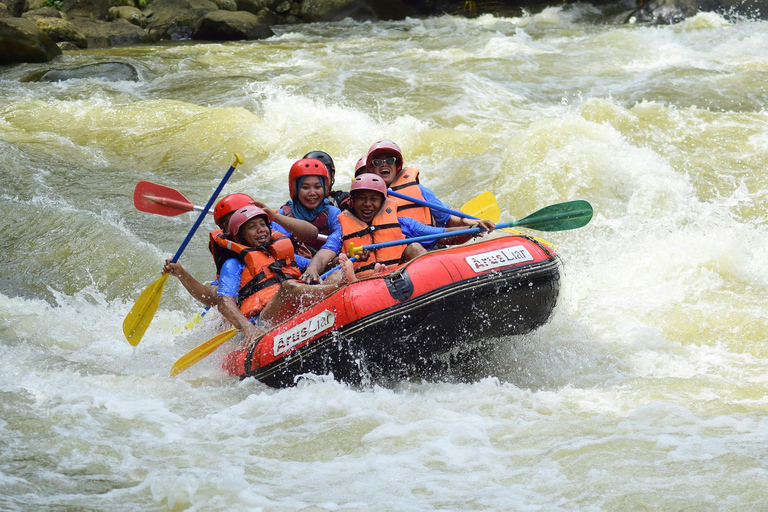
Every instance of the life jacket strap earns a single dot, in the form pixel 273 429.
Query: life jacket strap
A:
pixel 258 283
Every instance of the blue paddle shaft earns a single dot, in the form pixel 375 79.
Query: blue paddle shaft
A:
pixel 205 210
pixel 429 205
pixel 334 269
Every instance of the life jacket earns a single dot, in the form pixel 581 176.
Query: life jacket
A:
pixel 217 243
pixel 266 267
pixel 383 228
pixel 320 222
pixel 407 182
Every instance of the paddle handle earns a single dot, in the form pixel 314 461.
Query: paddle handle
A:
pixel 427 238
pixel 334 269
pixel 579 213
pixel 238 160
pixel 430 205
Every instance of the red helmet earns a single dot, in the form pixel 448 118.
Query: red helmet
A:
pixel 385 146
pixel 230 203
pixel 360 167
pixel 307 167
pixel 368 181
pixel 243 215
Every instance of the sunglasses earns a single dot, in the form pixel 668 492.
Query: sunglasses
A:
pixel 378 162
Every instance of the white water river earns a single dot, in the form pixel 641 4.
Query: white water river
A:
pixel 646 391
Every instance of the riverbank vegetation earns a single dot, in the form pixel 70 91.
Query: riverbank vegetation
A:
pixel 39 30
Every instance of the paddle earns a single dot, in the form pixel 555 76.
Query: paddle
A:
pixel 140 316
pixel 200 352
pixel 557 217
pixel 153 198
pixel 483 204
pixel 170 202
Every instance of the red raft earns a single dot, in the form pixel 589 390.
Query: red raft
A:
pixel 400 324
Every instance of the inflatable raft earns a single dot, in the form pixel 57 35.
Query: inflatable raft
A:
pixel 398 325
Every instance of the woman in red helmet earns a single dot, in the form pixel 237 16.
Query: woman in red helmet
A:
pixel 374 219
pixel 308 185
pixel 385 159
pixel 223 210
pixel 337 198
pixel 261 280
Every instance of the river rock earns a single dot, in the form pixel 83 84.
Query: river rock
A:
pixel 66 46
pixel 177 19
pixel 61 30
pixel 233 26
pixel 22 41
pixel 16 7
pixel 361 10
pixel 112 71
pixel 226 5
pixel 252 6
pixel 43 12
pixel 100 34
pixel 129 14
pixel 38 4
pixel 94 9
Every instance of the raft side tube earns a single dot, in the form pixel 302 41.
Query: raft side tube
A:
pixel 501 286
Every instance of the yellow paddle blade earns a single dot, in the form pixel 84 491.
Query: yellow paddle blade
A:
pixel 486 207
pixel 200 352
pixel 483 206
pixel 191 324
pixel 141 314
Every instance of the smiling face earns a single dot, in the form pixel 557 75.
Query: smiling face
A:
pixel 255 231
pixel 386 168
pixel 311 193
pixel 366 204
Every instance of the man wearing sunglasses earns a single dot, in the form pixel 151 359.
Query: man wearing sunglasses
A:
pixel 385 159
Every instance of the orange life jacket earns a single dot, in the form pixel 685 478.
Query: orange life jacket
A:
pixel 266 267
pixel 217 243
pixel 407 182
pixel 383 228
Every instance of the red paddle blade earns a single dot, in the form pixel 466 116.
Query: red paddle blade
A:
pixel 153 198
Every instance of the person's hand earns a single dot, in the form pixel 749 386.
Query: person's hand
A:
pixel 251 334
pixel 271 215
pixel 175 269
pixel 485 225
pixel 310 276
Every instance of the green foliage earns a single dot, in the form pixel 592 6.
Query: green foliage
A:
pixel 58 4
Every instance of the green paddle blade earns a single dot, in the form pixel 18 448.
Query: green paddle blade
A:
pixel 558 217
pixel 483 206
pixel 140 316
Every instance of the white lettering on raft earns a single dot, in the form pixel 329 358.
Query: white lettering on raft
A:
pixel 498 258
pixel 304 331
